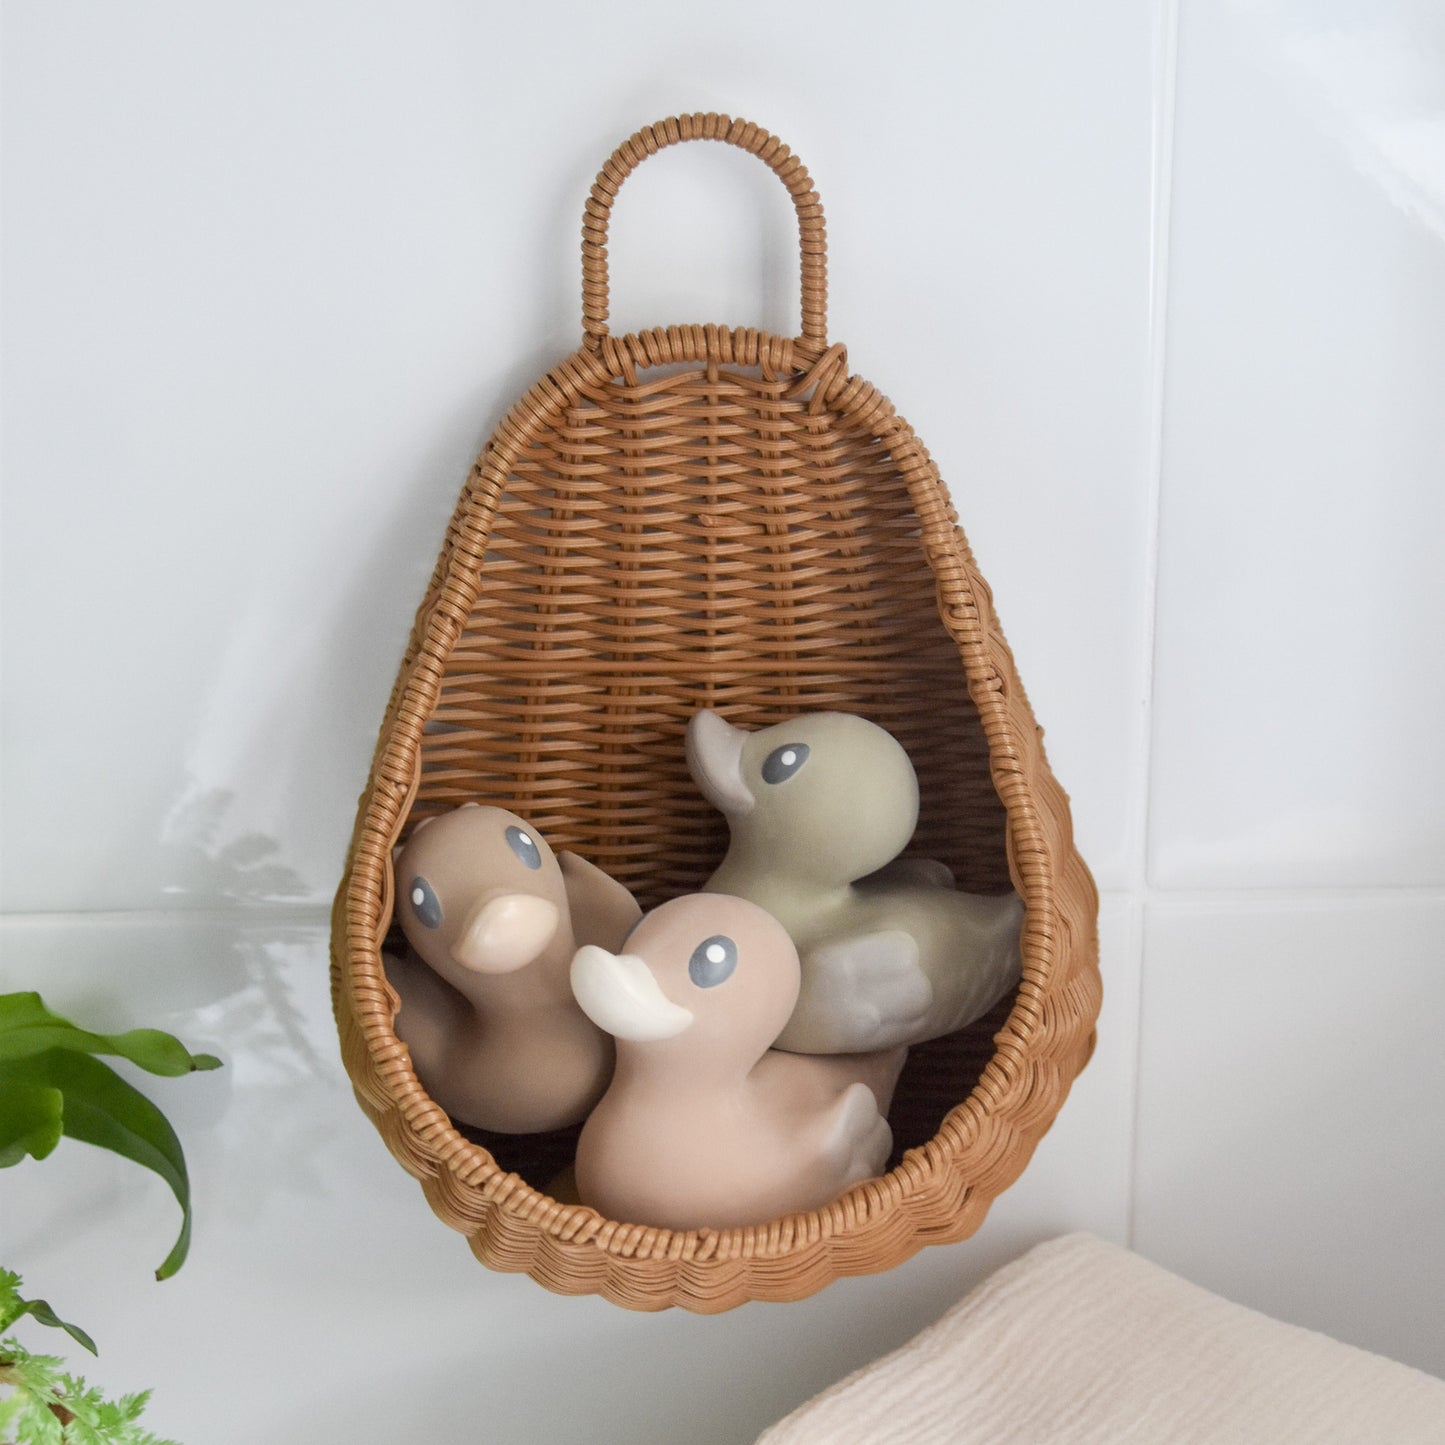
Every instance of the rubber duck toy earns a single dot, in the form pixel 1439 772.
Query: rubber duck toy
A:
pixel 493 917
pixel 703 1125
pixel 818 809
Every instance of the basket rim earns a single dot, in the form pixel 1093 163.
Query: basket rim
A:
pixel 1002 1111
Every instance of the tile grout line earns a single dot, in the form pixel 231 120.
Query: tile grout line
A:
pixel 1318 895
pixel 318 914
pixel 1167 61
pixel 1166 71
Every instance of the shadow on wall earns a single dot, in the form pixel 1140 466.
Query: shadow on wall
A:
pixel 237 988
pixel 278 751
pixel 202 865
pixel 252 848
pixel 256 994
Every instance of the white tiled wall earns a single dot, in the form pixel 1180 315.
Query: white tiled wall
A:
pixel 1163 288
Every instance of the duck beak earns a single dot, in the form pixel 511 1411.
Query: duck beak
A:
pixel 715 760
pixel 620 994
pixel 506 933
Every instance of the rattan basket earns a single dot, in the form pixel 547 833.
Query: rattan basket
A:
pixel 709 517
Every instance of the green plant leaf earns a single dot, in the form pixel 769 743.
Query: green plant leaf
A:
pixel 34 1381
pixel 30 1122
pixel 39 1310
pixel 47 1406
pixel 27 1027
pixel 101 1108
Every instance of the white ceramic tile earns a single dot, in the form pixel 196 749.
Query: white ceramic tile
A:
pixel 269 282
pixel 1302 607
pixel 323 1301
pixel 1292 1112
pixel 1004 306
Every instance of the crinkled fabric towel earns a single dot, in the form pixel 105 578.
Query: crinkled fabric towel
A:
pixel 1083 1343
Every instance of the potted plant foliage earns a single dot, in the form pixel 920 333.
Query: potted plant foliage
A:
pixel 53 1084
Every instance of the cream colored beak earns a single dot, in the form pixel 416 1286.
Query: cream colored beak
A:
pixel 506 933
pixel 619 993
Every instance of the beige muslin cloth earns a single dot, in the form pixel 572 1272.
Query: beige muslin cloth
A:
pixel 1083 1343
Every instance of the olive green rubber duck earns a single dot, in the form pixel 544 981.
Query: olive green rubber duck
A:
pixel 819 809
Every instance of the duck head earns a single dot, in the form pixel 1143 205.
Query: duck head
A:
pixel 827 796
pixel 478 892
pixel 707 979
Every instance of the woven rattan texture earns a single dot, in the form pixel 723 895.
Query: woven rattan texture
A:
pixel 703 517
pixel 701 541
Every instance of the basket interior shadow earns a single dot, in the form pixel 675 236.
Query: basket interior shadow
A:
pixel 702 517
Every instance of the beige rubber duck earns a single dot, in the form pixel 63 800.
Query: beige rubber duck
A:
pixel 814 807
pixel 703 1125
pixel 494 917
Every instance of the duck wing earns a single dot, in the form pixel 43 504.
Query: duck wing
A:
pixel 859 994
pixel 857 1138
pixel 920 872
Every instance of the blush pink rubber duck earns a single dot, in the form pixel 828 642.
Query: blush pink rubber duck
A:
pixel 493 917
pixel 703 1125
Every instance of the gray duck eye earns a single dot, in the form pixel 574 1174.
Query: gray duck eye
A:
pixel 783 762
pixel 525 847
pixel 424 903
pixel 713 961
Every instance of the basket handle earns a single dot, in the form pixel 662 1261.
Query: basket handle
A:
pixel 746 136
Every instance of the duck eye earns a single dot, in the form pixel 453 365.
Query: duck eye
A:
pixel 525 847
pixel 713 961
pixel 783 762
pixel 425 904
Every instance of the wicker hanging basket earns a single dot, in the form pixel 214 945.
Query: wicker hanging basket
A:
pixel 708 517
